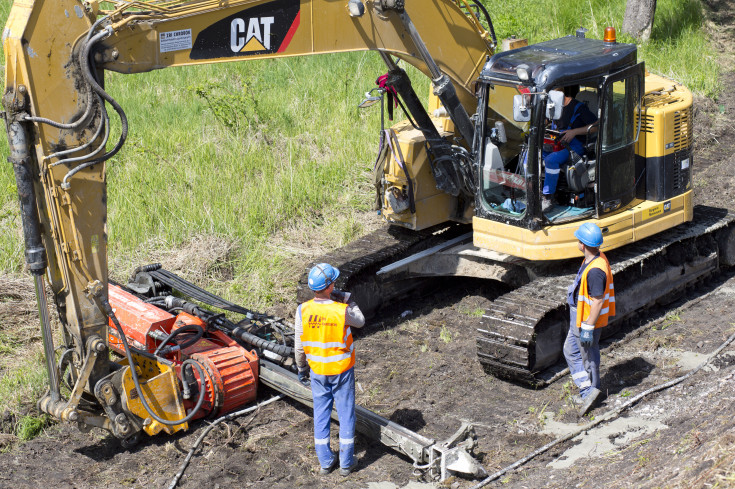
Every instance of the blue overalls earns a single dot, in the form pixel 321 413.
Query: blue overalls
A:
pixel 338 390
pixel 554 161
pixel 584 363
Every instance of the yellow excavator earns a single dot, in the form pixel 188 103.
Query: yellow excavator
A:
pixel 458 182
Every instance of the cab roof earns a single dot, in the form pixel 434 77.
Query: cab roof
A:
pixel 560 62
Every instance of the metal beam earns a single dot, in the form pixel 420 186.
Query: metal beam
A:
pixel 425 253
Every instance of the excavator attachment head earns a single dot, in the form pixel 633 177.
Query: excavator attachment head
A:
pixel 159 383
pixel 454 456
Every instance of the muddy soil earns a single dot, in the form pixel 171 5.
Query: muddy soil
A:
pixel 421 371
pixel 416 365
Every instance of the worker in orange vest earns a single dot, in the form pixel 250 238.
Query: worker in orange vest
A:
pixel 324 340
pixel 591 299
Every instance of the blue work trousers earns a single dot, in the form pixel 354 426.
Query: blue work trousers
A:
pixel 584 363
pixel 339 390
pixel 553 163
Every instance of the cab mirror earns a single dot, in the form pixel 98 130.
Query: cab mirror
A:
pixel 371 99
pixel 554 105
pixel 521 111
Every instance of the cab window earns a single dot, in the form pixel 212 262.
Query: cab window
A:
pixel 503 156
pixel 619 127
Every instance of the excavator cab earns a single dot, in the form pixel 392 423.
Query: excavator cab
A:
pixel 599 181
pixel 595 180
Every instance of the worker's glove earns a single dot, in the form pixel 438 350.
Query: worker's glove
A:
pixel 340 296
pixel 586 335
pixel 304 376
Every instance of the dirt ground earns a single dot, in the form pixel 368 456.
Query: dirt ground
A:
pixel 421 371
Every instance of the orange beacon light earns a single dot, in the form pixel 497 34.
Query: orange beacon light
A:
pixel 609 34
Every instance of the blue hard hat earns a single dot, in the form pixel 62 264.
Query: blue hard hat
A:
pixel 321 276
pixel 589 234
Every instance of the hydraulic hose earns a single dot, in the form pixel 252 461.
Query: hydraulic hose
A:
pixel 189 328
pixel 156 300
pixel 87 110
pixel 145 269
pixel 202 384
pixel 61 125
pixel 105 123
pixel 258 342
pixel 105 307
pixel 223 324
pixel 64 361
pixel 605 417
pixel 89 77
pixel 482 8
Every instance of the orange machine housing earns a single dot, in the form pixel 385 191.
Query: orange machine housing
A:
pixel 231 370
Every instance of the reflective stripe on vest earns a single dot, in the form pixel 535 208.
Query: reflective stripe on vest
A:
pixel 326 339
pixel 584 301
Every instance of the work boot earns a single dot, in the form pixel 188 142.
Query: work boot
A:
pixel 576 399
pixel 345 471
pixel 589 401
pixel 330 468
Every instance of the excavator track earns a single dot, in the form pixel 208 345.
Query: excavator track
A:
pixel 522 333
pixel 359 261
pixel 520 336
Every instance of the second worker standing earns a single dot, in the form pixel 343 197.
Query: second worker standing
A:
pixel 324 340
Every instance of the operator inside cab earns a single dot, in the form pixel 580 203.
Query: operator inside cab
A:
pixel 569 133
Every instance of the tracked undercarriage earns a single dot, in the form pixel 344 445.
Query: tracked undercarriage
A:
pixel 520 336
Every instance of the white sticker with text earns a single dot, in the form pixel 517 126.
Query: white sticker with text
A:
pixel 175 40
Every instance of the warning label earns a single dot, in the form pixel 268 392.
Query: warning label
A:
pixel 175 40
pixel 657 211
pixel 654 211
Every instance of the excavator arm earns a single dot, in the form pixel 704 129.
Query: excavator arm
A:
pixel 198 32
pixel 58 129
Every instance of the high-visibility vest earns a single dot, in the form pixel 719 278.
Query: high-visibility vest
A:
pixel 584 301
pixel 326 339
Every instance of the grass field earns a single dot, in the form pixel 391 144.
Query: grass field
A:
pixel 249 158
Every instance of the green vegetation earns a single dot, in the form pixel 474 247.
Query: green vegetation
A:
pixel 679 47
pixel 243 151
pixel 540 413
pixel 475 313
pixel 262 154
pixel 22 384
pixel 445 335
pixel 31 426
pixel 567 390
pixel 252 149
pixel 671 318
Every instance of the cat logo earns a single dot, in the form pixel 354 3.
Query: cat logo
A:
pixel 264 29
pixel 257 36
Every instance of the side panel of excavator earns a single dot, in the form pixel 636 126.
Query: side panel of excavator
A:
pixel 558 242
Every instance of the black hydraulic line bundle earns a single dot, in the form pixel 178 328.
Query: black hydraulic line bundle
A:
pixel 153 279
